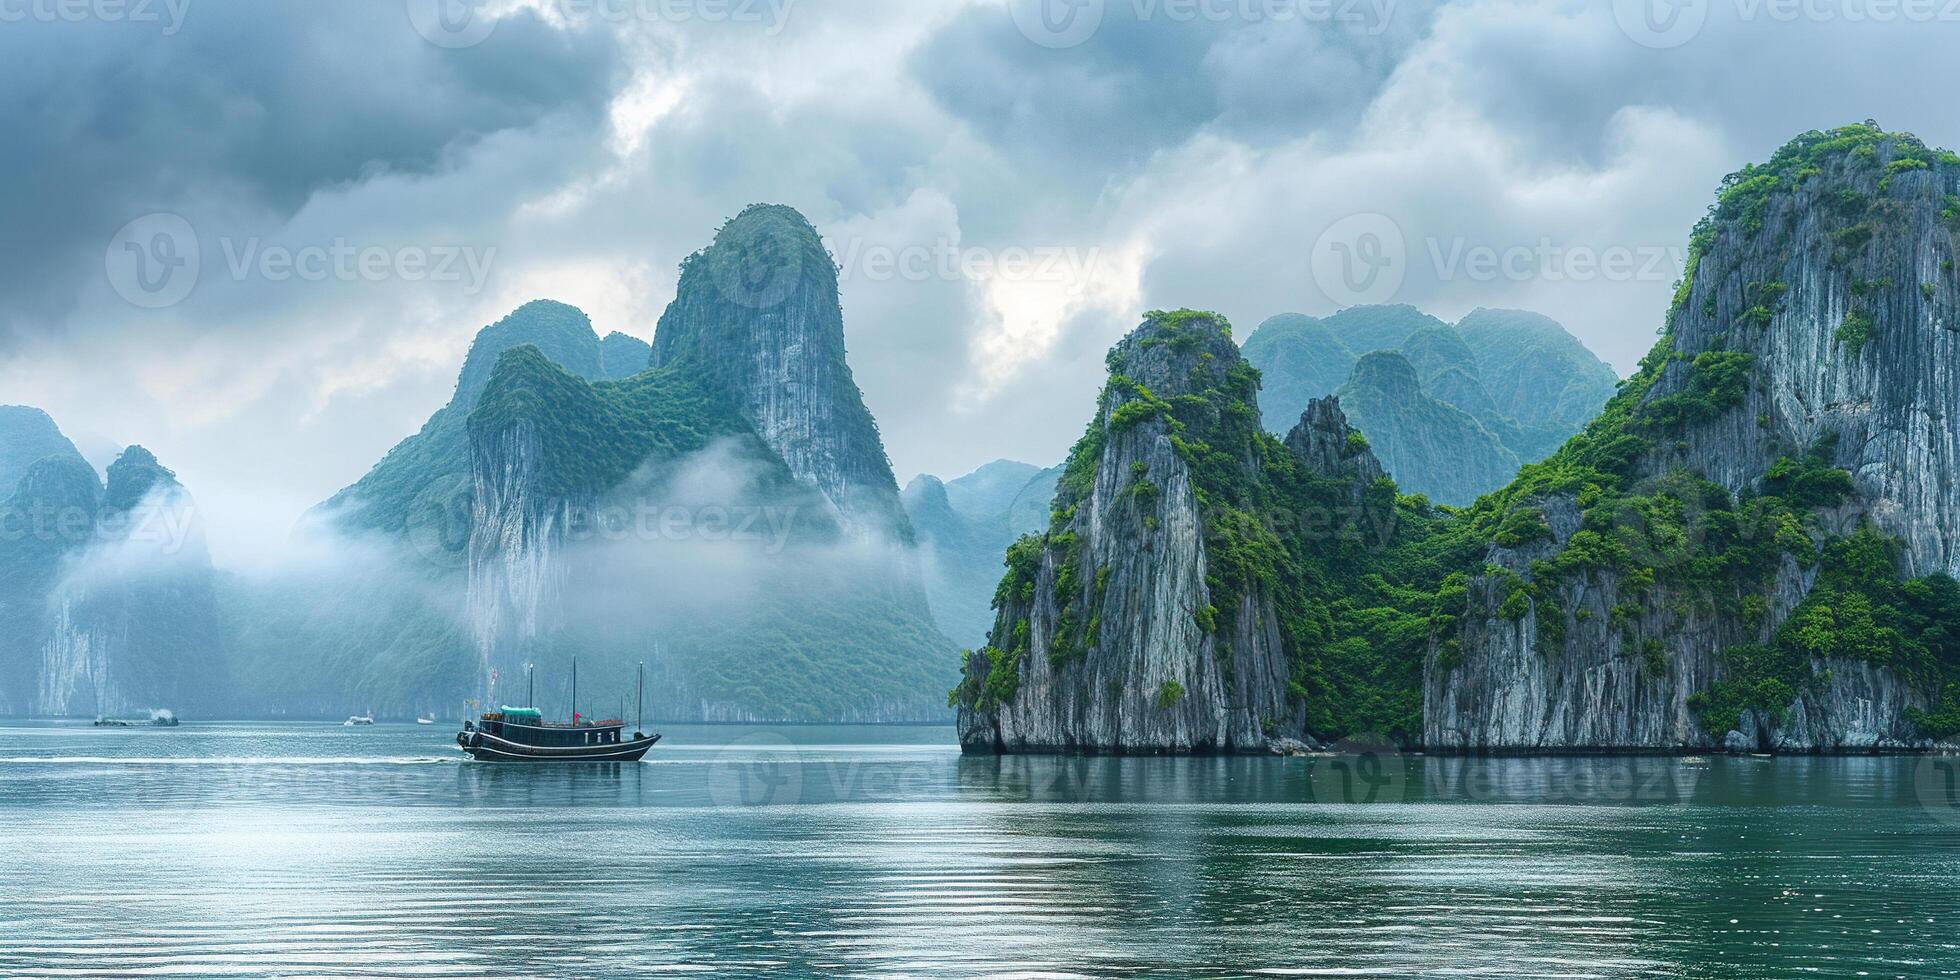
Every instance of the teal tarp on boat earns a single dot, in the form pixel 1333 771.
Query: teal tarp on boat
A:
pixel 522 714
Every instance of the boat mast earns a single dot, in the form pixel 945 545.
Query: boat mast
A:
pixel 639 696
pixel 575 689
pixel 530 686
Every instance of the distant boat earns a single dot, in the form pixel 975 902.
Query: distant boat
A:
pixel 358 720
pixel 113 723
pixel 163 718
pixel 522 735
pixel 426 720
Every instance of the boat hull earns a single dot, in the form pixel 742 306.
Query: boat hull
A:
pixel 482 746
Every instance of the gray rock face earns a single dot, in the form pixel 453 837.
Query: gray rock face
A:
pixel 758 313
pixel 789 590
pixel 1778 284
pixel 1149 677
pixel 109 596
pixel 1429 446
pixel 1110 637
pixel 1323 439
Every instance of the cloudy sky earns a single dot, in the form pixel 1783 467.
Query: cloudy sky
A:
pixel 1008 184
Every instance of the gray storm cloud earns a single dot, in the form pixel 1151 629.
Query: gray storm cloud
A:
pixel 1202 156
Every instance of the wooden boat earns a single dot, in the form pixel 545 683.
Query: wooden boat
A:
pixel 522 735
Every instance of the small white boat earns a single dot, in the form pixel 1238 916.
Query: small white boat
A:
pixel 357 720
pixel 426 720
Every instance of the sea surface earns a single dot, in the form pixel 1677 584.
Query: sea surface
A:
pixel 312 850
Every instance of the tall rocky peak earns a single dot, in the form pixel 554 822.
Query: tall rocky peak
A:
pixel 1826 276
pixel 1727 555
pixel 756 316
pixel 1157 613
pixel 107 596
pixel 135 475
pixel 562 333
pixel 746 436
pixel 1330 447
pixel 422 485
pixel 28 435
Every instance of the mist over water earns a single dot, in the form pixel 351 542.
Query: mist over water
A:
pixel 284 850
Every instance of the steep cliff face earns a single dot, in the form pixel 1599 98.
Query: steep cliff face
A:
pixel 1727 556
pixel 371 613
pixel 421 487
pixel 757 314
pixel 731 505
pixel 1429 446
pixel 49 515
pixel 1162 612
pixel 108 595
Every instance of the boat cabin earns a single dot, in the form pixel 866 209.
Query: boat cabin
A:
pixel 528 727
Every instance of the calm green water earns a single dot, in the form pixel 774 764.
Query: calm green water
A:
pixel 313 850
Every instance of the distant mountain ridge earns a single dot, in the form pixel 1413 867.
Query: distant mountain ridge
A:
pixel 1524 382
pixel 963 528
pixel 107 602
